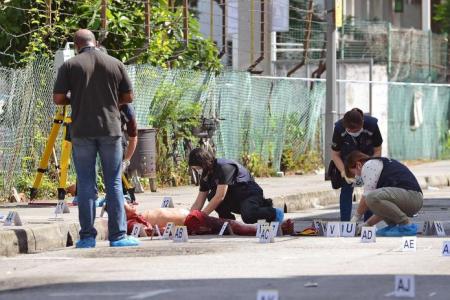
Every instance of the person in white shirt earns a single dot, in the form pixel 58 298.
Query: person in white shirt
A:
pixel 391 192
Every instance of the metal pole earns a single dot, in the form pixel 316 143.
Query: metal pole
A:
pixel 426 15
pixel 147 13
pixel 186 21
pixel 370 85
pixel 223 4
pixel 430 55
pixel 103 23
pixel 252 30
pixel 389 54
pixel 49 12
pixel 330 107
pixel 103 15
pixel 211 20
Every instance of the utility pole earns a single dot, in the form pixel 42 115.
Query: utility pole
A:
pixel 330 107
pixel 147 13
pixel 103 15
pixel 103 23
pixel 49 12
pixel 185 21
pixel 426 15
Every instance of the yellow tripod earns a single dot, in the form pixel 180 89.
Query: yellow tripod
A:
pixel 129 188
pixel 62 119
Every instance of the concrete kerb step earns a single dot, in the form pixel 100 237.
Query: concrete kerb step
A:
pixel 37 238
pixel 308 200
pixel 437 180
pixel 318 199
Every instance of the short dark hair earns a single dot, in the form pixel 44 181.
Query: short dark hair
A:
pixel 352 159
pixel 200 157
pixel 353 119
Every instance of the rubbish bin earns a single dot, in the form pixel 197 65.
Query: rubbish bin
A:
pixel 143 161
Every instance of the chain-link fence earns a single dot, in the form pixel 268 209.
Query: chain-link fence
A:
pixel 26 116
pixel 262 116
pixel 259 114
pixel 418 121
pixel 411 55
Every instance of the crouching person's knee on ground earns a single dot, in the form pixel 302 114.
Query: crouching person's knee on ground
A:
pixel 255 207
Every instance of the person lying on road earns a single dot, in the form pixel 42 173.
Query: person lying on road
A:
pixel 197 222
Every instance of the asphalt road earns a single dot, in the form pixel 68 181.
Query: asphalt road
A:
pixel 209 267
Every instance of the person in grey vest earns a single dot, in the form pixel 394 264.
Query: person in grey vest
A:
pixel 391 192
pixel 230 188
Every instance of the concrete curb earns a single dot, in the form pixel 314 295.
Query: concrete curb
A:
pixel 33 238
pixel 317 199
pixel 323 198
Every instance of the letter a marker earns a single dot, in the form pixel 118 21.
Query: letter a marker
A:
pixel 368 234
pixel 404 286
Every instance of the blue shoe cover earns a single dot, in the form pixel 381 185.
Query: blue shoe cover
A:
pixel 128 241
pixel 279 215
pixel 85 243
pixel 402 230
pixel 100 201
pixel 382 231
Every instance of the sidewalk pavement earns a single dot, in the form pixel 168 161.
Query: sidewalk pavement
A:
pixel 40 233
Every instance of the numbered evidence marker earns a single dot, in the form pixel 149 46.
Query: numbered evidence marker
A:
pixel 318 225
pixel 61 208
pixel 404 286
pixel 167 202
pixel 266 234
pixel 446 248
pixel 348 229
pixel 432 228
pixel 258 227
pixel 276 229
pixel 368 234
pixel 439 228
pixel 181 234
pixel 222 230
pixel 170 227
pixel 409 243
pixel 12 219
pixel 138 230
pixel 267 295
pixel 333 229
pixel 158 232
pixel 426 228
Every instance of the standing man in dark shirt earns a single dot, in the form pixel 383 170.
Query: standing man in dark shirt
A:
pixel 355 131
pixel 98 84
pixel 230 188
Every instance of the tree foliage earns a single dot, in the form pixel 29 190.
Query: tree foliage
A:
pixel 443 15
pixel 27 31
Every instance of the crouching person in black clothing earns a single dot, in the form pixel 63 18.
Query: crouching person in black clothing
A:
pixel 230 188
